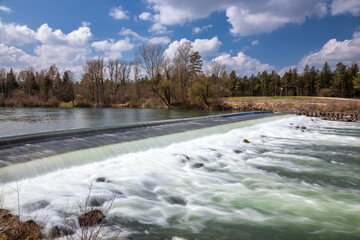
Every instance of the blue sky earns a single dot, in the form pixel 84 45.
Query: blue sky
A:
pixel 248 36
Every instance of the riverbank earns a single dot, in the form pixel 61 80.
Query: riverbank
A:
pixel 334 109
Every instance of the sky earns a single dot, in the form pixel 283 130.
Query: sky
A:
pixel 247 36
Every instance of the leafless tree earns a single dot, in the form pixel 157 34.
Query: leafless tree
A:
pixel 151 58
pixel 95 70
pixel 182 67
pixel 218 69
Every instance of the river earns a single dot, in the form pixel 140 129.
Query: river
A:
pixel 286 183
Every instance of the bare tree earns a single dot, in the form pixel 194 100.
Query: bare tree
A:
pixel 183 69
pixel 95 70
pixel 151 58
pixel 119 74
pixel 136 71
pixel 217 69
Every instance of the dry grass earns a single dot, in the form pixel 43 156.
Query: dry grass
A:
pixel 328 105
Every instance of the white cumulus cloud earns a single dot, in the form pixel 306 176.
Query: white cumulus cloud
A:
pixel 112 48
pixel 347 51
pixel 246 17
pixel 145 16
pixel 159 40
pixel 13 34
pixel 206 47
pixel 243 64
pixel 118 13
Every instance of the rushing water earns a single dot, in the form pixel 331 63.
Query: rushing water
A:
pixel 287 183
pixel 15 121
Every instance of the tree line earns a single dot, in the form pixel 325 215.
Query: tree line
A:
pixel 154 80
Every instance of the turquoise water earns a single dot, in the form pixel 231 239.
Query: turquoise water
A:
pixel 287 183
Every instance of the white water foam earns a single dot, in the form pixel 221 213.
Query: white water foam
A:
pixel 272 181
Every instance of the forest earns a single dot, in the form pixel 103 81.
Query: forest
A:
pixel 154 81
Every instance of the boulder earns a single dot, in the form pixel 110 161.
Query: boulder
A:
pixel 197 165
pixel 12 228
pixel 91 218
pixel 101 179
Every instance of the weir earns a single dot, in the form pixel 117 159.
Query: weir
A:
pixel 33 154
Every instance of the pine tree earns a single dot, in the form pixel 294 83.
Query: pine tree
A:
pixel 326 75
pixel 195 63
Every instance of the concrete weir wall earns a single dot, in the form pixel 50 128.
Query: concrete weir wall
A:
pixel 30 155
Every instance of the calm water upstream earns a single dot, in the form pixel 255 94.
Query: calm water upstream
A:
pixel 287 183
pixel 18 121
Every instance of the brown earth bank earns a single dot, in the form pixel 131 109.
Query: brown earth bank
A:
pixel 334 109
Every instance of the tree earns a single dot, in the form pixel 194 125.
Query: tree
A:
pixel 11 82
pixel 183 69
pixel 67 87
pixel 356 82
pixel 151 59
pixel 95 71
pixel 195 63
pixel 57 87
pixel 340 83
pixel 325 78
pixel 45 88
pixel 217 69
pixel 201 91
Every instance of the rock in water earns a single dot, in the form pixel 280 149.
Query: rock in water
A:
pixel 197 165
pixel 91 218
pixel 12 228
pixel 58 231
pixel 101 179
pixel 246 141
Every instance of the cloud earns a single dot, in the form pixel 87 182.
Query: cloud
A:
pixel 118 13
pixel 158 28
pixel 12 57
pixel 129 32
pixel 112 48
pixel 5 9
pixel 13 34
pixel 67 51
pixel 242 64
pixel 345 6
pixel 206 47
pixel 145 16
pixel 159 40
pixel 255 42
pixel 246 17
pixel 347 51
pixel 252 19
pixel 201 29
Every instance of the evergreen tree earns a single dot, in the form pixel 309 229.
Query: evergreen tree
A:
pixel 326 76
pixel 341 77
pixel 195 63
pixel 68 88
pixel 11 82
pixel 233 79
pixel 45 87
